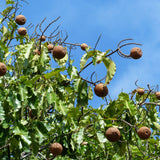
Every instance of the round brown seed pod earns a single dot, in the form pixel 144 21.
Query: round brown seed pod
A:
pixel 136 53
pixel 20 19
pixel 37 52
pixel 59 52
pixel 84 46
pixel 22 31
pixel 157 95
pixel 3 69
pixel 42 38
pixel 140 91
pixel 50 47
pixel 144 133
pixel 112 134
pixel 100 90
pixel 56 149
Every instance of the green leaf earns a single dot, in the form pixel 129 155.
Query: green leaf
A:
pixel 2 113
pixel 77 84
pixel 26 139
pixel 30 82
pixel 20 130
pixel 61 107
pixel 4 30
pixel 43 96
pixel 6 10
pixel 83 60
pixel 42 128
pixel 29 47
pixel 5 34
pixel 72 71
pixel 90 93
pixel 92 53
pixel 123 96
pixel 110 110
pixel 10 2
pixel 51 96
pixel 101 137
pixel 13 100
pixel 111 69
pixel 44 57
pixel 54 72
pixel 100 56
pixel 157 125
pixel 25 50
pixel 35 145
pixel 23 92
pixel 86 56
pixel 79 136
pixel 131 107
pixel 82 98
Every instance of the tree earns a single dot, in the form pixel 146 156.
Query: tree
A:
pixel 41 105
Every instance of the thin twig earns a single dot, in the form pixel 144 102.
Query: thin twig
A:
pixel 40 25
pixel 112 52
pixel 129 151
pixel 49 24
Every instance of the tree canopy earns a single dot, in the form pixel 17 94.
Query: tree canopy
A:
pixel 42 105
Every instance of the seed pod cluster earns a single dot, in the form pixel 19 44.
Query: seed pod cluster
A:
pixel 113 134
pixel 21 20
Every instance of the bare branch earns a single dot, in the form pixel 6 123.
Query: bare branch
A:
pixel 40 25
pixel 48 24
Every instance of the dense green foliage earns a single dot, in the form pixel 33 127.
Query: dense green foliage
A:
pixel 40 105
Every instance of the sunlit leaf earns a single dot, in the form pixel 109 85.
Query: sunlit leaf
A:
pixel 79 136
pixel 72 71
pixel 26 139
pixel 61 107
pixel 51 96
pixel 23 92
pixel 83 60
pixel 101 137
pixel 54 72
pixel 157 125
pixel 90 93
pixel 10 2
pixel 111 69
pixel 131 106
pixel 2 113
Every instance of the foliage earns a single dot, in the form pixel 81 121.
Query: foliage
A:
pixel 58 99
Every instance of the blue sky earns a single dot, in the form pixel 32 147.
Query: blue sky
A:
pixel 85 20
